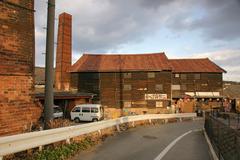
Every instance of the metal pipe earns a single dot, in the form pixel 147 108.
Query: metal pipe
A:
pixel 48 103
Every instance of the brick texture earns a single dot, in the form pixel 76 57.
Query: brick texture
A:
pixel 64 52
pixel 18 109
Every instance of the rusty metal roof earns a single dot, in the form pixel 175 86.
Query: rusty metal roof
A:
pixel 121 62
pixel 195 65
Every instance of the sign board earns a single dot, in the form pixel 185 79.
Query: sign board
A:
pixel 155 96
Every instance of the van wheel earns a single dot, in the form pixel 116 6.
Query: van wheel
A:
pixel 77 120
pixel 95 120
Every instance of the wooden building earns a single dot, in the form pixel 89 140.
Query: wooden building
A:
pixel 141 80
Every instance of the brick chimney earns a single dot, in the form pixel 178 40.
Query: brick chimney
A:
pixel 64 52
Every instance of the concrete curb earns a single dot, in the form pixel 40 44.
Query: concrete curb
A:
pixel 213 154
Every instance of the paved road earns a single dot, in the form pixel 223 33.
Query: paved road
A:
pixel 146 143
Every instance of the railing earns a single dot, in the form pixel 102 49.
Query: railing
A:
pixel 224 138
pixel 21 142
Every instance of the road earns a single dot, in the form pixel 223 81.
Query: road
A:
pixel 181 141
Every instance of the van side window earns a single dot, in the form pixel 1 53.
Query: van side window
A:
pixel 85 109
pixel 94 110
pixel 77 109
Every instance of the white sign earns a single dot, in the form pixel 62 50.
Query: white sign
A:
pixel 155 96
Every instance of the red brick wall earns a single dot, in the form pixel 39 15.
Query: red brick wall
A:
pixel 64 52
pixel 17 107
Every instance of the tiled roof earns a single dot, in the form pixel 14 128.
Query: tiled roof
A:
pixel 195 65
pixel 121 62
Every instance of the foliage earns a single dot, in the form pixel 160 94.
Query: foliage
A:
pixel 64 151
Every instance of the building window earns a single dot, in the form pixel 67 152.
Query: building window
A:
pixel 158 87
pixel 151 75
pixel 197 76
pixel 175 87
pixel 159 104
pixel 176 75
pixel 183 76
pixel 127 75
pixel 127 104
pixel 127 87
pixel 183 87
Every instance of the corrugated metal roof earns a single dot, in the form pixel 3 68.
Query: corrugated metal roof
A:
pixel 121 62
pixel 195 65
pixel 142 62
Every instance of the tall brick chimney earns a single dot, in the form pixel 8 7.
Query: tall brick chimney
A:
pixel 64 52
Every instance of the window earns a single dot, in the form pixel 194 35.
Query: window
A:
pixel 204 84
pixel 127 87
pixel 158 87
pixel 127 104
pixel 77 109
pixel 183 76
pixel 183 87
pixel 176 75
pixel 196 76
pixel 86 109
pixel 94 110
pixel 159 104
pixel 175 87
pixel 151 75
pixel 127 75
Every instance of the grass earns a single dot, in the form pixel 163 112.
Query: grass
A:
pixel 64 151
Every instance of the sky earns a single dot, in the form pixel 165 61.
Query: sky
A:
pixel 180 28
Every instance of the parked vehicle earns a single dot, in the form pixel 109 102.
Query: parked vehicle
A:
pixel 87 112
pixel 57 112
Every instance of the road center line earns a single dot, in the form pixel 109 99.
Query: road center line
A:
pixel 164 152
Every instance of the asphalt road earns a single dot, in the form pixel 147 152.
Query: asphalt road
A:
pixel 146 143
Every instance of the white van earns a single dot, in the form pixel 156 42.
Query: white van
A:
pixel 87 112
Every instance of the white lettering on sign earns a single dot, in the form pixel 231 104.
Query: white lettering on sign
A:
pixel 155 96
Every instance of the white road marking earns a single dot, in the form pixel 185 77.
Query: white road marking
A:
pixel 164 152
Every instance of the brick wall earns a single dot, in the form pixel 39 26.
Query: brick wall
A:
pixel 64 52
pixel 18 110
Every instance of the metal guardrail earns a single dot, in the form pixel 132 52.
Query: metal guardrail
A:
pixel 21 142
pixel 224 138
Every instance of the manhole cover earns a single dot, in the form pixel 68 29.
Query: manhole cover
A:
pixel 149 137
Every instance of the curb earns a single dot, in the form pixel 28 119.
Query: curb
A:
pixel 213 154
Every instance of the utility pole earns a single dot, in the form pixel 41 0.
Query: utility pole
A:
pixel 48 103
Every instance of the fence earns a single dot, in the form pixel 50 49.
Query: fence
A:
pixel 224 138
pixel 21 142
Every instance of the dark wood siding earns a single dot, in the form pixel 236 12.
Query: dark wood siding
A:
pixel 207 82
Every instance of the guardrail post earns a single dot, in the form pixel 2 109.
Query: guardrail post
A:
pixel 166 120
pixel 150 121
pixel 99 132
pixel 180 119
pixel 118 128
pixel 133 124
pixel 40 148
pixel 68 141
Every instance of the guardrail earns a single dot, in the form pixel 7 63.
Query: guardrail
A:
pixel 21 142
